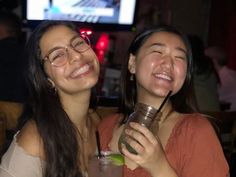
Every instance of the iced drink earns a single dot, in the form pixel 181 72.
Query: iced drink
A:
pixel 106 166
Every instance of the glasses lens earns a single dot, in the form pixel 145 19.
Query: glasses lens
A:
pixel 80 44
pixel 58 57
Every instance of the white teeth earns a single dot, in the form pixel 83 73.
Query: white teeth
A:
pixel 163 76
pixel 80 71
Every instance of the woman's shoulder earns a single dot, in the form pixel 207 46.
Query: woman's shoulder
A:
pixel 194 119
pixel 195 123
pixel 196 134
pixel 29 139
pixel 19 160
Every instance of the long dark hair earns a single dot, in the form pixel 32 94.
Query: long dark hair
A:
pixel 58 133
pixel 181 101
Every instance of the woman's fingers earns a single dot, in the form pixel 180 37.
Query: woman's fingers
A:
pixel 141 139
pixel 135 143
pixel 130 155
pixel 144 131
pixel 148 147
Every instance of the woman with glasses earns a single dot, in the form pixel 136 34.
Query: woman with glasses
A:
pixel 56 131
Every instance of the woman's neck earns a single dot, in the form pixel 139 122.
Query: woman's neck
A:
pixel 155 102
pixel 76 106
pixel 154 99
pixel 166 111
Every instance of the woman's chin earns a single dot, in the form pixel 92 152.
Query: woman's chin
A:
pixel 162 92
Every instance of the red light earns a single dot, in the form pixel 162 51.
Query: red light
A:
pixel 100 55
pixel 102 47
pixel 103 42
pixel 85 31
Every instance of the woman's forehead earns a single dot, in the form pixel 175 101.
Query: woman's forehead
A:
pixel 164 39
pixel 56 36
pixel 58 32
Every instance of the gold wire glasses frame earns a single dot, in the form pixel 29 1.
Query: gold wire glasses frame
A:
pixel 59 56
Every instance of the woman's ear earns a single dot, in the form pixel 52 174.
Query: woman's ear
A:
pixel 51 82
pixel 132 64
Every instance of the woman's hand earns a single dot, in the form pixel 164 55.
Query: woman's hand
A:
pixel 150 155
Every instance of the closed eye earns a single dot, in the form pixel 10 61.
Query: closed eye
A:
pixel 180 57
pixel 79 43
pixel 158 51
pixel 57 54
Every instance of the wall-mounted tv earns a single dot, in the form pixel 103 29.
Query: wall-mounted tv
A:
pixel 99 13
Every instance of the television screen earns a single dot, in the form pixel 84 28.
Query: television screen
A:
pixel 104 12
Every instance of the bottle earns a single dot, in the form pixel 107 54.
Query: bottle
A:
pixel 144 115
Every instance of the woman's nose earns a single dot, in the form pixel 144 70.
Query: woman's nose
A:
pixel 73 55
pixel 167 61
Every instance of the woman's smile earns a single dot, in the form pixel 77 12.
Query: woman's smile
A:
pixel 81 71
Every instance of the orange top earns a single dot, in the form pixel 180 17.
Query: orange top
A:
pixel 193 148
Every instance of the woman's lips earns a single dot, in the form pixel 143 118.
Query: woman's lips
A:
pixel 80 71
pixel 163 76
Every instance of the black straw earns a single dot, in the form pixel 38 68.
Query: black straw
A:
pixel 164 101
pixel 98 144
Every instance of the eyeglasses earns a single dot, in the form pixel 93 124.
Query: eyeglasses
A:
pixel 59 55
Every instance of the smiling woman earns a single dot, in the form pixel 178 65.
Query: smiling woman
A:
pixel 80 67
pixel 55 135
pixel 182 143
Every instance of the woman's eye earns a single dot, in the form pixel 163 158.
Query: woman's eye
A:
pixel 158 51
pixel 79 44
pixel 180 57
pixel 57 55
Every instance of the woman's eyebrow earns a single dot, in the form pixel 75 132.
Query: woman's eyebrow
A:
pixel 182 50
pixel 157 44
pixel 54 48
pixel 75 36
pixel 59 47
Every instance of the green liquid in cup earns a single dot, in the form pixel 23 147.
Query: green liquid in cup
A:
pixel 122 141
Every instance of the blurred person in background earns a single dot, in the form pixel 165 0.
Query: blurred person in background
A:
pixel 205 78
pixel 227 86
